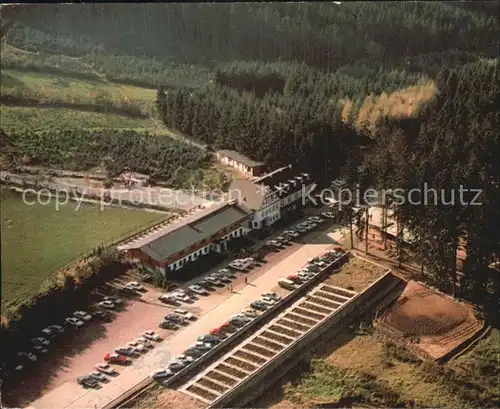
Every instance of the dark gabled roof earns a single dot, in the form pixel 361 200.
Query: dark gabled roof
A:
pixel 190 231
pixel 238 157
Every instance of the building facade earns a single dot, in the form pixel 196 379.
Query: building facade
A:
pixel 240 162
pixel 273 195
pixel 185 240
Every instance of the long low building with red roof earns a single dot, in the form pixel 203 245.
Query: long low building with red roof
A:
pixel 186 239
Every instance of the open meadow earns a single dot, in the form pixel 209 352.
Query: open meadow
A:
pixel 14 118
pixel 38 240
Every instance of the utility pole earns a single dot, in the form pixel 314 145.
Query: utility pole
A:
pixel 366 229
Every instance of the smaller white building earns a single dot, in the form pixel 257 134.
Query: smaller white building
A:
pixel 240 162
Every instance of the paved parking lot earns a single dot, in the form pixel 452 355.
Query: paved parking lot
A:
pixel 62 391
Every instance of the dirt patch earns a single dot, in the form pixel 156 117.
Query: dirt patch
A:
pixel 222 378
pixel 250 357
pixel 292 325
pixel 212 385
pixel 241 364
pixel 168 399
pixel 276 337
pixel 202 392
pixel 356 275
pixel 268 344
pixel 435 323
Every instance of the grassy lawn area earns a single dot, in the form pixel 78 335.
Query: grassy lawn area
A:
pixel 17 118
pixel 48 88
pixel 38 240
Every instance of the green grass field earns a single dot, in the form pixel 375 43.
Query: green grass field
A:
pixel 16 118
pixel 49 88
pixel 38 240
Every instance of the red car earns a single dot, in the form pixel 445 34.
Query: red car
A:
pixel 294 278
pixel 116 359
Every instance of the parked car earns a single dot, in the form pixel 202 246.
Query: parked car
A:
pixel 178 319
pixel 194 352
pixel 27 355
pixel 128 290
pixel 151 335
pixel 126 351
pixel 291 233
pixel 198 290
pixel 114 300
pixel 168 299
pixel 161 374
pixel 106 304
pixel 213 280
pixel 283 239
pixel 287 284
pixel 87 382
pixel 48 332
pixel 183 297
pixel 185 358
pixel 226 272
pixel 329 215
pixel 106 369
pixel 204 346
pixel 102 315
pixel 137 346
pixel 82 315
pixel 56 328
pixel 249 312
pixel 188 315
pixel 237 265
pixel 221 277
pixel 146 342
pixel 315 219
pixel 259 305
pixel 238 323
pixel 213 339
pixel 176 365
pixel 135 285
pixel 268 301
pixel 168 325
pixel 116 359
pixel 274 296
pixel 98 376
pixel 40 349
pixel 40 341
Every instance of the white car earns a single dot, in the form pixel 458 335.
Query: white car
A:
pixel 40 348
pixel 161 373
pixel 98 376
pixel 185 313
pixel 48 332
pixel 106 304
pixel 185 358
pixel 136 345
pixel 105 368
pixel 316 219
pixel 226 272
pixel 328 215
pixel 40 341
pixel 198 290
pixel 151 335
pixel 269 301
pixel 82 315
pixel 181 296
pixel 135 285
pixel 291 233
pixel 74 321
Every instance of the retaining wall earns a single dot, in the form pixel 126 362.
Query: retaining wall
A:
pixel 249 389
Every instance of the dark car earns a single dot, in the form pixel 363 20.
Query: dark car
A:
pixel 103 315
pixel 168 325
pixel 87 382
pixel 259 305
pixel 178 319
pixel 194 352
pixel 205 284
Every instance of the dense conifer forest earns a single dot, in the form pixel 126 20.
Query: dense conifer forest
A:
pixel 384 93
